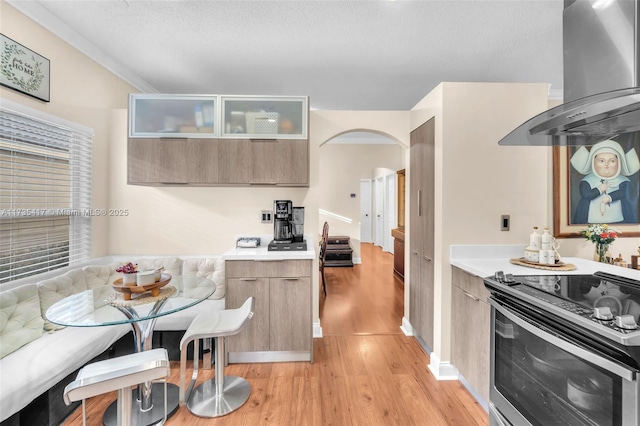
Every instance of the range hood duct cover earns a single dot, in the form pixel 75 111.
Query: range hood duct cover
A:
pixel 601 74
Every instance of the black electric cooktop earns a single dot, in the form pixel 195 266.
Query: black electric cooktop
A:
pixel 605 303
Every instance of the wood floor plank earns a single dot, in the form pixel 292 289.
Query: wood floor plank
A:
pixel 306 408
pixel 365 371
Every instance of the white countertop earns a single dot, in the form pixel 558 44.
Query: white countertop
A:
pixel 484 261
pixel 263 254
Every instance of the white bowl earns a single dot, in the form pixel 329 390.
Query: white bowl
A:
pixel 145 277
pixel 532 255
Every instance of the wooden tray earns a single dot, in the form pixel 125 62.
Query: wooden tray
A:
pixel 523 260
pixel 560 266
pixel 128 290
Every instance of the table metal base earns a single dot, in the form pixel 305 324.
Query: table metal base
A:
pixel 151 417
pixel 205 402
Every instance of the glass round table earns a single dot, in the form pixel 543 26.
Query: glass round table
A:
pixel 113 305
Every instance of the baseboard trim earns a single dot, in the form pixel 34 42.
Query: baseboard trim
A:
pixel 406 327
pixel 442 370
pixel 317 330
pixel 357 260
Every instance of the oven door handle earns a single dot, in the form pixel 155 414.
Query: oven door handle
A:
pixel 608 365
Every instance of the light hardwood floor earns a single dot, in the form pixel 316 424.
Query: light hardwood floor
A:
pixel 365 371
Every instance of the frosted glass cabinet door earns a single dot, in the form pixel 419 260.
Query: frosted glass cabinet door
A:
pixel 183 116
pixel 264 117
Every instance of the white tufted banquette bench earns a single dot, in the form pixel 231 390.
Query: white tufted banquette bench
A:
pixel 38 358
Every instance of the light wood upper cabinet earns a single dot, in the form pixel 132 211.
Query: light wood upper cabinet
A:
pixel 172 161
pixel 264 162
pixel 263 140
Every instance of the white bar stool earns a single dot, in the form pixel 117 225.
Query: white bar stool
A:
pixel 120 373
pixel 220 395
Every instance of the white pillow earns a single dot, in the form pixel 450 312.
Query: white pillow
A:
pixel 55 289
pixel 209 268
pixel 20 319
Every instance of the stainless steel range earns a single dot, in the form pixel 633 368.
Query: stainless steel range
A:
pixel 565 350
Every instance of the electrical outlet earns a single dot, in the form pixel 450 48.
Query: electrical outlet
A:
pixel 266 216
pixel 505 222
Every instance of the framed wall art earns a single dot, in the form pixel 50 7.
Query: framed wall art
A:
pixel 24 70
pixel 597 184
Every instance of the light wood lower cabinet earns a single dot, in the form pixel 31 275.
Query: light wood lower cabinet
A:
pixel 281 327
pixel 255 335
pixel 471 334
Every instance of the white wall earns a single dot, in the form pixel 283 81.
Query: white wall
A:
pixel 82 92
pixel 341 168
pixel 476 180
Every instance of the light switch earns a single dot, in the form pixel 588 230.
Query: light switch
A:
pixel 505 221
pixel 265 216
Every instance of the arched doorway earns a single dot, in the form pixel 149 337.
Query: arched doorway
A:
pixel 357 188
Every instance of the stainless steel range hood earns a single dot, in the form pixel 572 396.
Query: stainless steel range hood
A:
pixel 601 78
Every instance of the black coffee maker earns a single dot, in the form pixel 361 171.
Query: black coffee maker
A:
pixel 282 216
pixel 288 227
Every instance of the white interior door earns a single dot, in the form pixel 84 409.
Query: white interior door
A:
pixel 390 211
pixel 365 211
pixel 379 203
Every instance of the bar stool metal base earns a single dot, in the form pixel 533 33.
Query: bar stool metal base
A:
pixel 146 418
pixel 204 401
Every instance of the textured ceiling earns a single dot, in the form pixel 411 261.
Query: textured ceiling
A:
pixel 345 55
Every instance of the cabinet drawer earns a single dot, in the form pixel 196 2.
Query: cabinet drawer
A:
pixel 273 268
pixel 471 284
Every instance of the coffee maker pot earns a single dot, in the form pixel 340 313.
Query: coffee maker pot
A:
pixel 283 210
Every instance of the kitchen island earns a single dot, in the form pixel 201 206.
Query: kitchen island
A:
pixel 281 328
pixel 470 333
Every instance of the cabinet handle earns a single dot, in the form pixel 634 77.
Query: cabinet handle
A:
pixel 248 279
pixel 471 296
pixel 268 260
pixel 426 258
pixel 419 202
pixel 263 183
pixel 291 279
pixel 174 183
pixel 414 253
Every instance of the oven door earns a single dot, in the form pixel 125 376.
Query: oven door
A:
pixel 541 376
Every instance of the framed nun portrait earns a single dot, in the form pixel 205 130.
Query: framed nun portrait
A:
pixel 597 184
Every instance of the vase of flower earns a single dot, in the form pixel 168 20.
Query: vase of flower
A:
pixel 128 271
pixel 602 236
pixel 601 253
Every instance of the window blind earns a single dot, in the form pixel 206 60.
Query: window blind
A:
pixel 45 193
